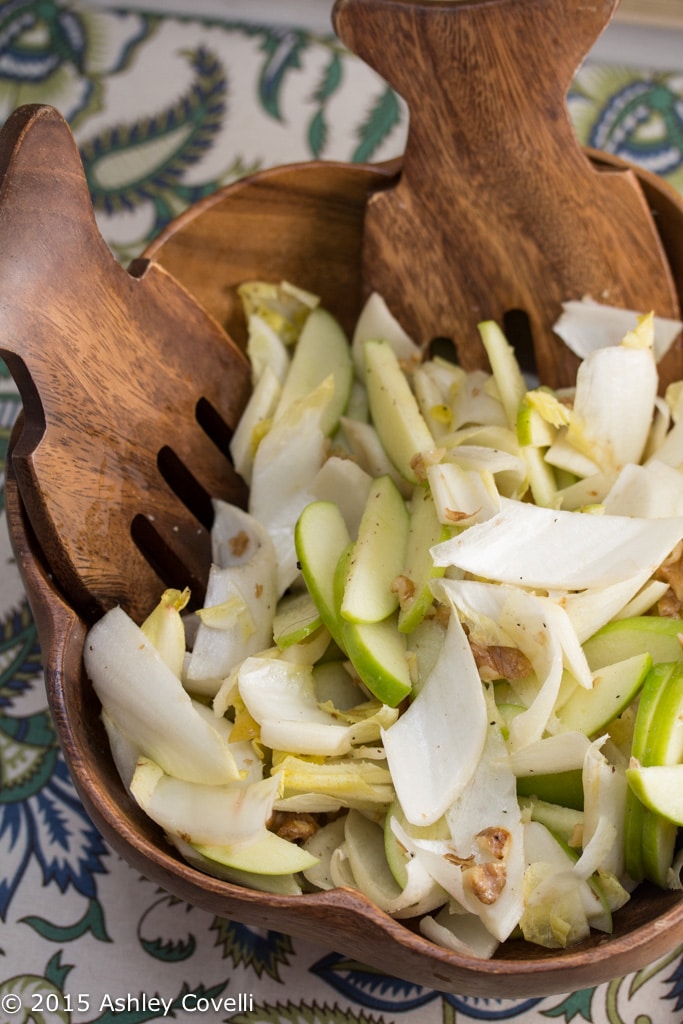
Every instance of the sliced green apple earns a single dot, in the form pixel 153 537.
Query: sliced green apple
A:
pixel 297 617
pixel 322 349
pixel 660 788
pixel 563 788
pixel 622 638
pixel 320 538
pixel 378 555
pixel 396 854
pixel 377 650
pixel 394 409
pixel 566 823
pixel 614 688
pixel 532 427
pixel 268 855
pixel 424 532
pixel 648 839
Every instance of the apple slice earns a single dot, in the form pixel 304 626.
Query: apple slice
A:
pixel 658 635
pixel 377 651
pixel 649 839
pixel 563 788
pixel 394 409
pixel 660 788
pixel 378 555
pixel 424 531
pixel 320 538
pixel 396 854
pixel 296 618
pixel 322 349
pixel 532 428
pixel 614 688
pixel 663 747
pixel 270 854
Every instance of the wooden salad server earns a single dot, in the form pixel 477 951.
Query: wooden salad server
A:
pixel 497 212
pixel 130 389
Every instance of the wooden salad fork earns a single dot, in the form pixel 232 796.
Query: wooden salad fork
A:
pixel 130 389
pixel 498 212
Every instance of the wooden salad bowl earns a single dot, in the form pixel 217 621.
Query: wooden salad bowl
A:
pixel 132 380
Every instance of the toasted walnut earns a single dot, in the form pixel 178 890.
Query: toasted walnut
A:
pixel 296 826
pixel 486 881
pixel 496 662
pixel 495 840
pixel 421 462
pixel 669 606
pixel 671 572
pixel 404 588
pixel 239 543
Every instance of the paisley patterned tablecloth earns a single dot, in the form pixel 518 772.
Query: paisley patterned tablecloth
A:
pixel 166 108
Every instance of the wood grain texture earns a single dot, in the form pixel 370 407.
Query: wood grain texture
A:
pixel 115 371
pixel 112 363
pixel 649 926
pixel 302 223
pixel 497 207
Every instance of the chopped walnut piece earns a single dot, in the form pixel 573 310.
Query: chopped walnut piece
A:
pixel 668 606
pixel 495 840
pixel 486 881
pixel 496 662
pixel 239 543
pixel 671 572
pixel 421 462
pixel 296 826
pixel 404 588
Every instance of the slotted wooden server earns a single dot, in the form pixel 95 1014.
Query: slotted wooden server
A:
pixel 133 380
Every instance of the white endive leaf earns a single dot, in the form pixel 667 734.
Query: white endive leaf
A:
pixel 536 626
pixel 285 465
pixel 434 747
pixel 280 695
pixel 590 610
pixel 353 783
pixel 221 815
pixel 266 349
pixel 463 933
pixel 345 483
pixel 549 549
pixel 489 801
pixel 562 752
pixel 364 844
pixel 586 325
pixel 240 602
pixel 605 788
pixel 608 382
pixel 149 704
pixel 462 496
pixel 652 491
pixel 377 322
pixel 253 422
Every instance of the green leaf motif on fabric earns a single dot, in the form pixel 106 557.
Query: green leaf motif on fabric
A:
pixel 20 658
pixel 170 952
pixel 92 923
pixel 264 954
pixel 381 120
pixel 283 51
pixel 577 1004
pixel 34 991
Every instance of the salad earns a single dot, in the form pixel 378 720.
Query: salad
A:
pixel 440 658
